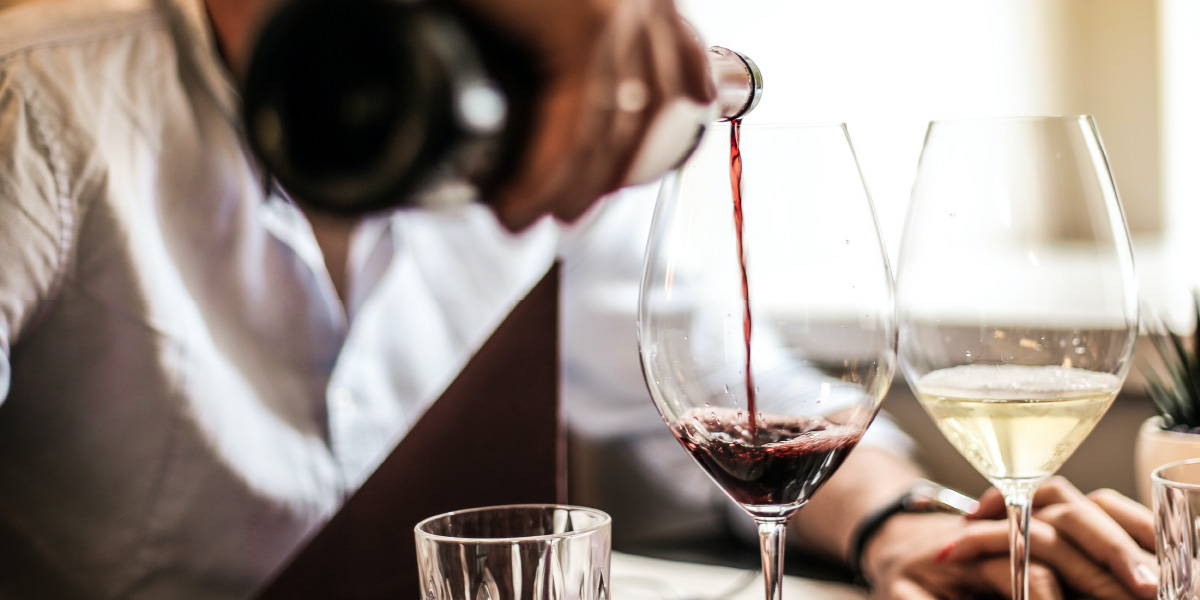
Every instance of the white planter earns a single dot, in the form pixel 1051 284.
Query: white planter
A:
pixel 1156 447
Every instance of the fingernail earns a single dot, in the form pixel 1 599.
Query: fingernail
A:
pixel 944 553
pixel 1145 575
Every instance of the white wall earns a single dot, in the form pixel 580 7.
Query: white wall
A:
pixel 887 68
pixel 1180 71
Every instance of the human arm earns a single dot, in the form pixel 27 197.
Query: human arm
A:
pixel 870 478
pixel 584 142
pixel 606 68
pixel 902 559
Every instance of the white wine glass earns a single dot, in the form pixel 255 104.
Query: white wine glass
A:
pixel 1016 298
pixel 815 351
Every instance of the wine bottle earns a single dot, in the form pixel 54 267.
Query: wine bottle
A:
pixel 359 106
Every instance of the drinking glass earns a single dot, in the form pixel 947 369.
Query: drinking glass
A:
pixel 516 552
pixel 767 353
pixel 1016 298
pixel 1176 489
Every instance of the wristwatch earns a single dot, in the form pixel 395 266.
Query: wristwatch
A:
pixel 923 496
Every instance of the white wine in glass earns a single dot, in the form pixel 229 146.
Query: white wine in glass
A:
pixel 1016 422
pixel 1016 298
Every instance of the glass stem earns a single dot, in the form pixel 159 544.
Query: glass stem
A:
pixel 1018 541
pixel 770 543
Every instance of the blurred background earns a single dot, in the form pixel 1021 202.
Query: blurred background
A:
pixel 887 68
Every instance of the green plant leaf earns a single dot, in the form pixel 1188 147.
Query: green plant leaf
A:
pixel 1174 386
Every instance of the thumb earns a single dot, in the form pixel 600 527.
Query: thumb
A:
pixel 991 506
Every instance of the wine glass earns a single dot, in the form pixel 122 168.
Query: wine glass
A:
pixel 1016 298
pixel 767 353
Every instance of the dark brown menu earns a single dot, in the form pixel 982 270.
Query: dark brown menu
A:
pixel 494 437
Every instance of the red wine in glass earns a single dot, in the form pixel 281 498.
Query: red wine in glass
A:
pixel 777 461
pixel 781 464
pixel 771 451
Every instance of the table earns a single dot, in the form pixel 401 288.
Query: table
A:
pixel 724 548
pixel 643 578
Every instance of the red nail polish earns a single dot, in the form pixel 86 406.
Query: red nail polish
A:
pixel 944 553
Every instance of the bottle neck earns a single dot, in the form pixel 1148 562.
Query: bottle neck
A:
pixel 738 82
pixel 677 129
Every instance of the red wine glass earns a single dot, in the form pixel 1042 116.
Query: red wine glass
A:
pixel 765 323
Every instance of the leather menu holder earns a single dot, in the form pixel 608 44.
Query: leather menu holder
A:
pixel 494 437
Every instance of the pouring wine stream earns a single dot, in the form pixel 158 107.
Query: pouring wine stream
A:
pixel 735 181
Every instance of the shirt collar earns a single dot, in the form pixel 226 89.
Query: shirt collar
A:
pixel 196 46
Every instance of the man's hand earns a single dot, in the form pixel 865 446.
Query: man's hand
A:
pixel 610 66
pixel 1078 543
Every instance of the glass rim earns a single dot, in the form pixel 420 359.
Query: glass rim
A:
pixel 1032 118
pixel 605 520
pixel 1156 476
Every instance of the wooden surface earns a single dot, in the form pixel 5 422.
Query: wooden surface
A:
pixel 494 437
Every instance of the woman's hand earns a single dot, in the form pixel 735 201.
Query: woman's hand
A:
pixel 1094 545
pixel 1112 530
pixel 609 67
pixel 910 559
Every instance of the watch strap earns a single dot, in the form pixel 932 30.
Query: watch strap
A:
pixel 868 527
pixel 922 496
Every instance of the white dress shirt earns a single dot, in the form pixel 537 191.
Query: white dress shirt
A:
pixel 184 396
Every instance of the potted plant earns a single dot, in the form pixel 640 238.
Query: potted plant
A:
pixel 1175 388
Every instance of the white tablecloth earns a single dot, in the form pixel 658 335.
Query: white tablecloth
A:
pixel 641 578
